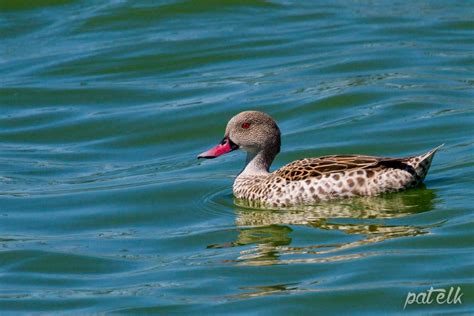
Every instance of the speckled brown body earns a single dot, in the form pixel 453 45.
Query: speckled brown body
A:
pixel 309 180
pixel 314 179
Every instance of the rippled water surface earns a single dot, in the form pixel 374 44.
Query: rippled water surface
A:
pixel 105 105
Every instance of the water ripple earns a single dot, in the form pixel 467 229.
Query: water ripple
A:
pixel 104 107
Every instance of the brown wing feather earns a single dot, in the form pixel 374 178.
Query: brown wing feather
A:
pixel 316 167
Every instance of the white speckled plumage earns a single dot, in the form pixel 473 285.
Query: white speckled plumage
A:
pixel 309 180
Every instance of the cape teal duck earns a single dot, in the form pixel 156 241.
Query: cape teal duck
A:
pixel 309 180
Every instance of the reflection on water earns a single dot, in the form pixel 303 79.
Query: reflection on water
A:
pixel 367 219
pixel 264 290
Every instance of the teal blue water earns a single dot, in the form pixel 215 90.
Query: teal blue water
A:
pixel 104 106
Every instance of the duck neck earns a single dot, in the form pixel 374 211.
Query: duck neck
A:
pixel 258 163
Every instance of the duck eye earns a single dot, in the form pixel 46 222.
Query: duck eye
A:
pixel 246 125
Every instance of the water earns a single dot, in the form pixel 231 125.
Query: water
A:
pixel 105 105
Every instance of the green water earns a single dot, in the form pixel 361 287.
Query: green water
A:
pixel 104 106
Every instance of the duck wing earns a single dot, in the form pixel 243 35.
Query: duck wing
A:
pixel 317 167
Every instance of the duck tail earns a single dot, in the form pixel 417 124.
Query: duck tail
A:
pixel 422 163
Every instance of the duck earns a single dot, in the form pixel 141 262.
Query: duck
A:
pixel 309 180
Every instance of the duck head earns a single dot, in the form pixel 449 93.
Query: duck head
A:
pixel 252 131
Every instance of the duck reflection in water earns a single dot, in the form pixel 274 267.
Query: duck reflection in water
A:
pixel 365 219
